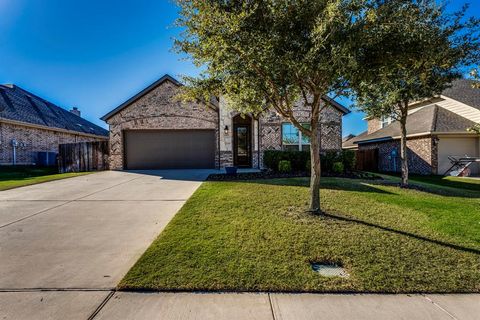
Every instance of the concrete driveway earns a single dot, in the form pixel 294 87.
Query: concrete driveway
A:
pixel 82 235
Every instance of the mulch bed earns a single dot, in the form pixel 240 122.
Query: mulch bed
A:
pixel 265 174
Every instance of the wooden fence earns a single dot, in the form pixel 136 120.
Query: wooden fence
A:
pixel 83 156
pixel 367 160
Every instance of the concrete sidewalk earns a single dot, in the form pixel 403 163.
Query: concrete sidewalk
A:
pixel 231 306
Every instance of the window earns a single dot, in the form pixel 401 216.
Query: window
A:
pixel 292 138
pixel 385 121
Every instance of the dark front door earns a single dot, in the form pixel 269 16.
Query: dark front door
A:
pixel 242 146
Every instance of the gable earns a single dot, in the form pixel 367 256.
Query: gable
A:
pixel 161 102
pixel 141 94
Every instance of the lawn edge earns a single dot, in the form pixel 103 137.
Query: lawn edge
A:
pixel 79 174
pixel 200 291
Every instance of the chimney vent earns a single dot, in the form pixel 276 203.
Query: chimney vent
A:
pixel 75 111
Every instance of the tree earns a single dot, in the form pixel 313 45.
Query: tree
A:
pixel 271 54
pixel 410 51
pixel 476 78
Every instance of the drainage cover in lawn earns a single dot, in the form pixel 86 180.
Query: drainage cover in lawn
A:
pixel 328 269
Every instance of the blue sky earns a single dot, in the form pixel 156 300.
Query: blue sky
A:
pixel 96 54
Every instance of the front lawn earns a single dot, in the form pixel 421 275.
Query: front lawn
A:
pixel 255 236
pixel 448 181
pixel 19 176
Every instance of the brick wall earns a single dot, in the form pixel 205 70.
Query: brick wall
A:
pixel 330 129
pixel 422 155
pixel 32 140
pixel 158 109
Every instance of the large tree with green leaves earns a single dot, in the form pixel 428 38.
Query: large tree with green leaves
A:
pixel 410 51
pixel 268 54
pixel 475 76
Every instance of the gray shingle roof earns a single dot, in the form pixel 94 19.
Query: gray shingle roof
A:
pixel 351 140
pixel 463 91
pixel 431 119
pixel 20 105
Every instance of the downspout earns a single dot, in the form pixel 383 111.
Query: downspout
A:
pixel 14 145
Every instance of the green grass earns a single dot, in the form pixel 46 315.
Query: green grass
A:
pixel 18 176
pixel 451 182
pixel 255 236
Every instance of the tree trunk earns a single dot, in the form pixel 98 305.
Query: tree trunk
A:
pixel 315 158
pixel 403 146
pixel 315 172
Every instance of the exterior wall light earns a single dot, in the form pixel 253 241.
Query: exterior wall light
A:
pixel 226 130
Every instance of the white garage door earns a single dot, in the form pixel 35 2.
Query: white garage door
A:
pixel 459 147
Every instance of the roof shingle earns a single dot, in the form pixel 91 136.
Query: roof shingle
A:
pixel 20 105
pixel 462 90
pixel 430 119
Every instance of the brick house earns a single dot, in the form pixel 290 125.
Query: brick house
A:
pixel 436 130
pixel 154 130
pixel 30 124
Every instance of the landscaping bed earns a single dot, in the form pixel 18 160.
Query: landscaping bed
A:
pixel 268 174
pixel 256 236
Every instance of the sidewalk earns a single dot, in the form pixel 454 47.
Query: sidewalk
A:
pixel 232 306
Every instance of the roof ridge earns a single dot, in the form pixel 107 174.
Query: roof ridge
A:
pixel 37 110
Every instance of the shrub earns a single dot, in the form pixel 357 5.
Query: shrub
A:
pixel 328 159
pixel 348 159
pixel 338 167
pixel 308 167
pixel 284 166
pixel 298 159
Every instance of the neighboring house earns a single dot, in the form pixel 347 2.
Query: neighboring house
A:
pixel 436 130
pixel 30 124
pixel 155 130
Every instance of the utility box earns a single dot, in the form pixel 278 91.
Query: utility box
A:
pixel 47 159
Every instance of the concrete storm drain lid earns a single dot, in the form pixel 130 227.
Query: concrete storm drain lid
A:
pixel 329 269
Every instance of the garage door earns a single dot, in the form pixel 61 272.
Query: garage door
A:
pixel 169 149
pixel 459 147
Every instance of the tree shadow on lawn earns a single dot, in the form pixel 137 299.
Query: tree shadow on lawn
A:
pixel 360 185
pixel 443 181
pixel 437 185
pixel 326 183
pixel 400 232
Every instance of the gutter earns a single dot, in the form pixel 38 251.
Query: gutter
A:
pixel 416 135
pixel 394 138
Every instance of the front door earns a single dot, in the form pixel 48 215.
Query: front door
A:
pixel 242 146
